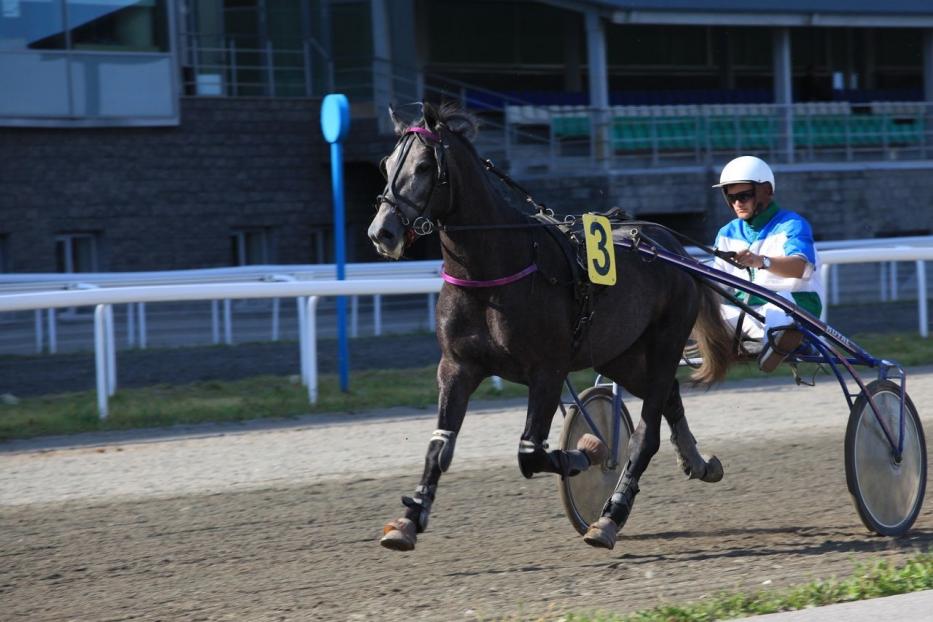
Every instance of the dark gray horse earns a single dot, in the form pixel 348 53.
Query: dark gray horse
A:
pixel 509 308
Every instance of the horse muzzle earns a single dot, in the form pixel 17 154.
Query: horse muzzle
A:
pixel 387 233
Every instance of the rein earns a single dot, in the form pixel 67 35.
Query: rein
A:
pixel 424 225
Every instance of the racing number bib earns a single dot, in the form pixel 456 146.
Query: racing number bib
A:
pixel 600 252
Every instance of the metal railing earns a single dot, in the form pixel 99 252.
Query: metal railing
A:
pixel 640 136
pixel 235 70
pixel 137 323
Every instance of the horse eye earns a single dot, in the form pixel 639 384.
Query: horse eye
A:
pixel 423 167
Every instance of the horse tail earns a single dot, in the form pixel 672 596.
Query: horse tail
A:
pixel 714 339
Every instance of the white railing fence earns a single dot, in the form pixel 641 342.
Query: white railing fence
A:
pixel 305 292
pixel 308 292
pixel 892 284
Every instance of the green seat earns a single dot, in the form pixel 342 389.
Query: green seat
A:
pixel 570 126
pixel 722 132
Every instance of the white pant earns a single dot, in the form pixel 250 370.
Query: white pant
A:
pixel 751 327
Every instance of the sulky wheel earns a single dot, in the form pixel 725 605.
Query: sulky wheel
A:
pixel 584 494
pixel 887 492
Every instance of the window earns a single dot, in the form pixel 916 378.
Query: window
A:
pixel 100 25
pixel 31 25
pixel 250 247
pixel 76 252
pixel 86 62
pixel 118 25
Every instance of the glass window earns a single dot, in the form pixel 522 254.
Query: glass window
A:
pixel 118 25
pixel 31 25
pixel 250 247
pixel 76 252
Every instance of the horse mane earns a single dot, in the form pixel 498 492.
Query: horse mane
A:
pixel 448 114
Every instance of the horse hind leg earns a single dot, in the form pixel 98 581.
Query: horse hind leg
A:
pixel 694 465
pixel 534 456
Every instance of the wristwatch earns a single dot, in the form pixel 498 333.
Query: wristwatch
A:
pixel 765 262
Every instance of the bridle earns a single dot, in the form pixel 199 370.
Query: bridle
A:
pixel 422 224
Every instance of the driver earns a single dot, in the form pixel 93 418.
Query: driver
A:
pixel 775 246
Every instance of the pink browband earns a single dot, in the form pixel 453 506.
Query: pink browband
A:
pixel 424 132
pixel 493 283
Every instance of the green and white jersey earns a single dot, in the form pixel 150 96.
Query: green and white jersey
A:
pixel 775 232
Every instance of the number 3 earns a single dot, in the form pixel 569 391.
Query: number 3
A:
pixel 600 252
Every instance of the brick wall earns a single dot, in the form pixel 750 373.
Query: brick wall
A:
pixel 169 198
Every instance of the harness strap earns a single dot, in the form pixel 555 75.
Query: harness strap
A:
pixel 737 337
pixel 424 132
pixel 490 283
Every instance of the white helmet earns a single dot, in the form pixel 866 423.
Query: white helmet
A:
pixel 746 169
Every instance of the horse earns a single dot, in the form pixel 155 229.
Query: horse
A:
pixel 511 307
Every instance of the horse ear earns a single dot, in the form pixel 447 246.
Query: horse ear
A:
pixel 430 116
pixel 400 126
pixel 462 123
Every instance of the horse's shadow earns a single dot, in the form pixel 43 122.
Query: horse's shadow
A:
pixel 806 541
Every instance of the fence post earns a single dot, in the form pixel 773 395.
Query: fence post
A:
pixel 53 333
pixel 215 322
pixel 892 280
pixel 883 282
pixel 301 302
pixel 824 280
pixel 354 316
pixel 432 305
pixel 275 319
pixel 111 351
pixel 228 322
pixel 37 315
pixel 922 298
pixel 377 314
pixel 141 317
pixel 130 326
pixel 311 348
pixel 100 360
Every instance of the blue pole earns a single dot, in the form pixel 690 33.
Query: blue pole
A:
pixel 340 259
pixel 335 123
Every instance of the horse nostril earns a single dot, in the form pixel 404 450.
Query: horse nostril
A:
pixel 384 235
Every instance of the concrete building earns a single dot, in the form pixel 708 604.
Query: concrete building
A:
pixel 166 134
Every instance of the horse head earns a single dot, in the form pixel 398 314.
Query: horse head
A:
pixel 417 172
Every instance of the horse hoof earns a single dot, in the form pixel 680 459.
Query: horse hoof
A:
pixel 714 470
pixel 399 535
pixel 593 448
pixel 602 534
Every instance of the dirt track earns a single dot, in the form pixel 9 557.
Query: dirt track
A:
pixel 281 523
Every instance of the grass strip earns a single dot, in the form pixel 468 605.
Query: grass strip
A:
pixel 280 396
pixel 868 581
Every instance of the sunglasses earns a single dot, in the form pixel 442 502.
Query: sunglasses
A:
pixel 741 197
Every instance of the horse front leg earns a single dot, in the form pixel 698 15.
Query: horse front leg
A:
pixel 534 456
pixel 456 382
pixel 689 459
